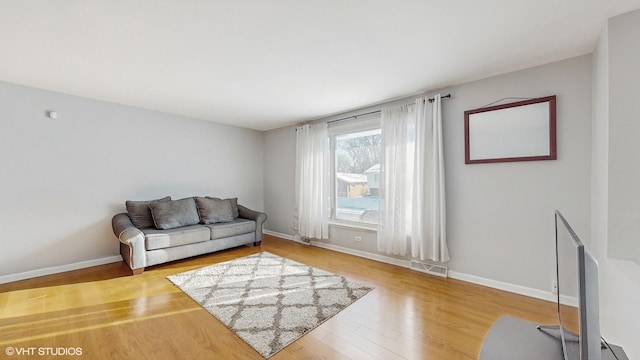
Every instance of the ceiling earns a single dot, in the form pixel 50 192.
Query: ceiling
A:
pixel 267 64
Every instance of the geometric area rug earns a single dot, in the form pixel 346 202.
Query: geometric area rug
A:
pixel 267 300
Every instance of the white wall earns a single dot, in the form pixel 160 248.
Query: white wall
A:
pixel 500 216
pixel 62 180
pixel 279 179
pixel 624 110
pixel 619 279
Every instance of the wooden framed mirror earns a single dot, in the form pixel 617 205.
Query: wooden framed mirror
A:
pixel 518 131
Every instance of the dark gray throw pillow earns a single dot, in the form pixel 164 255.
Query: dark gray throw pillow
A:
pixel 140 214
pixel 213 210
pixel 174 213
pixel 234 205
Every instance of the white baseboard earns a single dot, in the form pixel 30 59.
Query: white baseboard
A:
pixel 359 253
pixel 280 235
pixel 363 254
pixel 512 288
pixel 58 269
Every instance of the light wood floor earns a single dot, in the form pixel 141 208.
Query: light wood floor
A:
pixel 110 315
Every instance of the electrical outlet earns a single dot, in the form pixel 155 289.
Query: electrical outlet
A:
pixel 357 238
pixel 554 287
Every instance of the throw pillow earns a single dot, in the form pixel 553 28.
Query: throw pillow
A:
pixel 174 213
pixel 140 214
pixel 212 210
pixel 234 205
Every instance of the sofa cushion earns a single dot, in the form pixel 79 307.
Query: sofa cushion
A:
pixel 160 239
pixel 238 226
pixel 234 205
pixel 140 214
pixel 213 210
pixel 174 213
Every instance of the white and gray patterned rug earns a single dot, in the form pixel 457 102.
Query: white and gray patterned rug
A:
pixel 267 300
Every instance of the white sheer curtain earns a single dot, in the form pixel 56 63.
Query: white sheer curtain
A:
pixel 395 179
pixel 412 187
pixel 311 213
pixel 428 233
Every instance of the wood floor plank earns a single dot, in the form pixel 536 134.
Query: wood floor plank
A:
pixel 111 315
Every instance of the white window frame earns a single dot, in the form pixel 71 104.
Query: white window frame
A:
pixel 361 123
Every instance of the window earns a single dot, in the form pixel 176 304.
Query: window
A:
pixel 356 154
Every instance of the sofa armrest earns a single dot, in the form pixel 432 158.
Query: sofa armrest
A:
pixel 256 216
pixel 133 239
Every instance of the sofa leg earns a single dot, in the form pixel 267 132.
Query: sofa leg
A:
pixel 257 243
pixel 137 271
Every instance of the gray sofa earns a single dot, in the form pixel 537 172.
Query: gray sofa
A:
pixel 162 230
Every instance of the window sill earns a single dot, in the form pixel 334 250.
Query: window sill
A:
pixel 353 226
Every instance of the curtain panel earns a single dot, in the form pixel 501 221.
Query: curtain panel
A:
pixel 312 207
pixel 396 167
pixel 429 231
pixel 413 211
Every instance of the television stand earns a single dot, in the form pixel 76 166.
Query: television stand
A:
pixel 554 330
pixel 511 338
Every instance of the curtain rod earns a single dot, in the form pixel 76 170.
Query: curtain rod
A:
pixel 377 111
pixel 441 97
pixel 355 116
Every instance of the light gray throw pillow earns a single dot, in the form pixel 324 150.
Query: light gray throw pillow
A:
pixel 213 210
pixel 140 214
pixel 234 205
pixel 174 213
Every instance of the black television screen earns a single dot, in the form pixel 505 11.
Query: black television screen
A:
pixel 577 295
